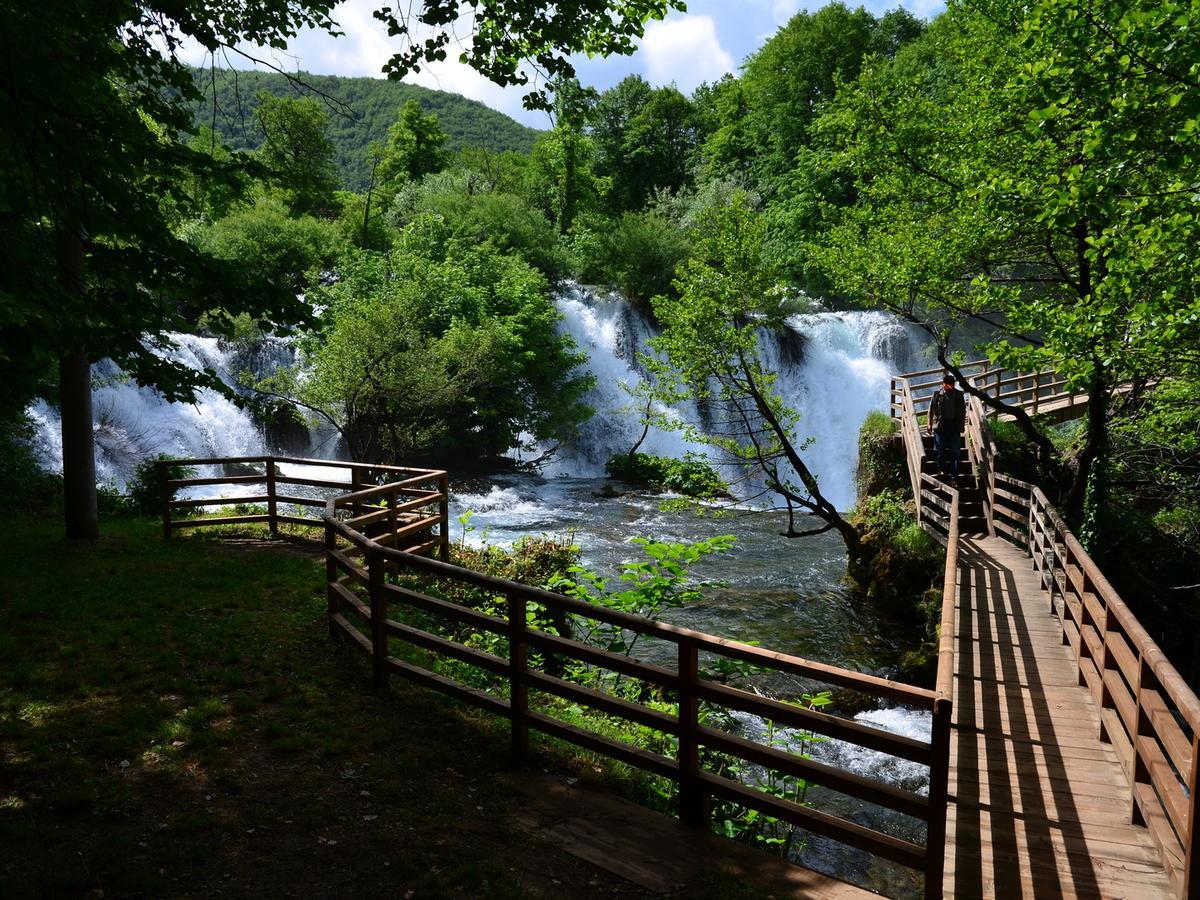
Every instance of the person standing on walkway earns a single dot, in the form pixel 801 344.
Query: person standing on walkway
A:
pixel 947 416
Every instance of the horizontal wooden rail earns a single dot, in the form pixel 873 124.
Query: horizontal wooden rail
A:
pixel 379 611
pixel 394 501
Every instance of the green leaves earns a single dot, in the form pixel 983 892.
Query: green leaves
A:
pixel 442 349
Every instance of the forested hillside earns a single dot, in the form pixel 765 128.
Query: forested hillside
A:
pixel 360 111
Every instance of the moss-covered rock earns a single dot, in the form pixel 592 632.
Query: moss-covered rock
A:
pixel 881 463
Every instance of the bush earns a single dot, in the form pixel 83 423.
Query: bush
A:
pixel 882 516
pixel 23 482
pixel 269 240
pixel 144 491
pixel 469 209
pixel 691 476
pixel 881 463
pixel 637 254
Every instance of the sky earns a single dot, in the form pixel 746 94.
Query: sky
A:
pixel 711 39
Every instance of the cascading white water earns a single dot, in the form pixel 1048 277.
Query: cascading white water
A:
pixel 832 367
pixel 133 423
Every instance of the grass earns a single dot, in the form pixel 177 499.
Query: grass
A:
pixel 175 721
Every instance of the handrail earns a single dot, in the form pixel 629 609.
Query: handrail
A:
pixel 362 476
pixel 361 600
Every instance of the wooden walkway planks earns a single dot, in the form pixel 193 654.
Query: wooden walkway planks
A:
pixel 1039 807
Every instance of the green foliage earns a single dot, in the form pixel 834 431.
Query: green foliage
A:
pixel 441 349
pixel 474 210
pixel 692 476
pixel 765 118
pixel 636 253
pixel 645 139
pixel 710 351
pixel 507 35
pixel 884 514
pixel 365 108
pixel 265 237
pixel 23 484
pixel 297 151
pixel 561 179
pixel 646 588
pixel 415 148
pixel 144 490
pixel 748 825
pixel 881 464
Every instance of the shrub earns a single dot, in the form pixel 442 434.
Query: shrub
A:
pixel 691 476
pixel 637 254
pixel 881 463
pixel 144 490
pixel 23 482
pixel 882 516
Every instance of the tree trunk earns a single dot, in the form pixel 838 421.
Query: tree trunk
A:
pixel 78 447
pixel 1095 447
pixel 75 400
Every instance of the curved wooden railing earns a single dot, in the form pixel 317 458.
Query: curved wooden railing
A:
pixel 369 604
pixel 414 506
pixel 1148 712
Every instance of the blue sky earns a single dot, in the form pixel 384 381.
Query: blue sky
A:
pixel 712 38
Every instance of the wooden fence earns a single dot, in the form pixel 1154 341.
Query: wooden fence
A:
pixel 411 511
pixel 1034 392
pixel 368 605
pixel 1148 712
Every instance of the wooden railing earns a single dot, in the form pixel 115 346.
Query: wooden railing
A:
pixel 1031 391
pixel 413 507
pixel 1148 713
pixel 371 594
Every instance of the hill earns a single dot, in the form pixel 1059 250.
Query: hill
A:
pixel 360 111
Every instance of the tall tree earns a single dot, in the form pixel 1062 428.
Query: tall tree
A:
pixel 297 151
pixel 562 177
pixel 415 148
pixel 711 352
pixel 1033 166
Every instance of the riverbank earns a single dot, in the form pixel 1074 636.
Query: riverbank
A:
pixel 175 722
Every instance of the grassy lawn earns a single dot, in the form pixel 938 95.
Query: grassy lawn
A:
pixel 174 721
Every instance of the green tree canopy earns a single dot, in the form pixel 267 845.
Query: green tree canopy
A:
pixel 1033 166
pixel 415 148
pixel 297 151
pixel 442 350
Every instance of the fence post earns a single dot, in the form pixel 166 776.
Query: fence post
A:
pixel 939 776
pixel 331 577
pixel 164 472
pixel 355 486
pixel 273 523
pixel 518 663
pixel 379 638
pixel 693 802
pixel 444 515
pixel 1191 847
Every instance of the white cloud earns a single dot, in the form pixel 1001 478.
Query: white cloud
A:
pixel 684 50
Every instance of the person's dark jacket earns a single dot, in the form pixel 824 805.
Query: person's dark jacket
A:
pixel 948 411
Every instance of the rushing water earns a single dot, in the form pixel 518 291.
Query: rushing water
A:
pixel 789 595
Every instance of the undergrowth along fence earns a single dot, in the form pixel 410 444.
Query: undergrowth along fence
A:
pixel 385 602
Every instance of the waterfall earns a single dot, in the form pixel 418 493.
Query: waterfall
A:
pixel 832 367
pixel 132 423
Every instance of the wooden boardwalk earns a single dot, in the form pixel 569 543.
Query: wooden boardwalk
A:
pixel 1039 807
